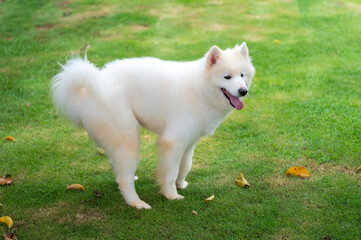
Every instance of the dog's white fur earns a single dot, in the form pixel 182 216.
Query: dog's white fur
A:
pixel 180 101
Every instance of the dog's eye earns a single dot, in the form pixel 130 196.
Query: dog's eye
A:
pixel 242 74
pixel 227 77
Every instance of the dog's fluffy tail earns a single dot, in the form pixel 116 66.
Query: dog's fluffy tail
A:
pixel 77 80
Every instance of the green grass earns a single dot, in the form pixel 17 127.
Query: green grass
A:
pixel 304 109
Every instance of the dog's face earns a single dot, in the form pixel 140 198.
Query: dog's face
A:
pixel 231 72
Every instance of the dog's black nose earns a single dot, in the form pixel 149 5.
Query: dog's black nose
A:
pixel 243 92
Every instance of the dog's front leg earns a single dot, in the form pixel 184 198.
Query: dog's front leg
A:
pixel 185 167
pixel 171 151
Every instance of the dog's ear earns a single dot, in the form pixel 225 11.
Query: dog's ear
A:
pixel 213 55
pixel 243 49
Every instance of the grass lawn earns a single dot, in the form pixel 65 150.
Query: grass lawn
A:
pixel 304 109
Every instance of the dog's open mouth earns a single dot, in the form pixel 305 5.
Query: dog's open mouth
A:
pixel 235 102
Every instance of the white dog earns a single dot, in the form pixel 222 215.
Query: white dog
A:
pixel 180 101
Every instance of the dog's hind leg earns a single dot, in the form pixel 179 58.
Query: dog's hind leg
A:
pixel 185 167
pixel 171 151
pixel 121 144
pixel 124 159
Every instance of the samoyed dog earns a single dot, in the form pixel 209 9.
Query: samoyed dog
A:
pixel 180 101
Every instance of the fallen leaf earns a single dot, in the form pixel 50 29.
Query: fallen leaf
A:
pixel 241 181
pixel 101 151
pixel 98 194
pixel 277 41
pixel 10 138
pixel 9 178
pixel 66 14
pixel 298 171
pixel 6 180
pixel 45 27
pixel 75 186
pixel 358 169
pixel 7 220
pixel 209 199
pixel 10 236
pixel 83 49
pixel 194 213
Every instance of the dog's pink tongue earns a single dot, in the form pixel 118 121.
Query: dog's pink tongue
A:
pixel 237 102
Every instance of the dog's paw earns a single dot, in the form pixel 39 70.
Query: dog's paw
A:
pixel 174 197
pixel 140 205
pixel 182 185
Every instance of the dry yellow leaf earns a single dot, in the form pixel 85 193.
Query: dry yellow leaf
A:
pixel 209 199
pixel 7 220
pixel 277 41
pixel 10 138
pixel 358 169
pixel 2 181
pixel 101 151
pixel 194 212
pixel 241 181
pixel 6 180
pixel 75 186
pixel 298 171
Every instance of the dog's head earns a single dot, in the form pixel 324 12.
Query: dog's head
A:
pixel 231 72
